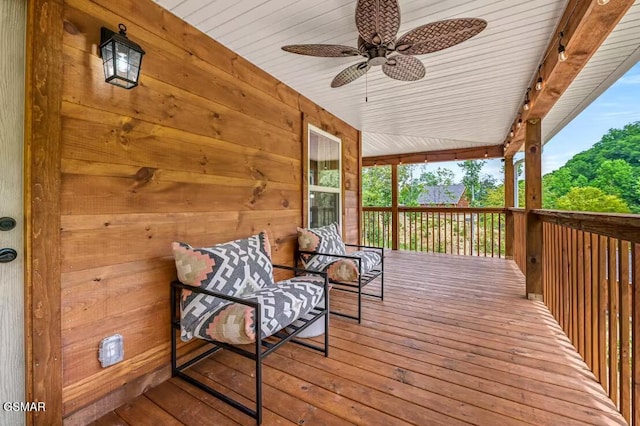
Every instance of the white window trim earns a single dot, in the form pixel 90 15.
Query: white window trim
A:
pixel 317 188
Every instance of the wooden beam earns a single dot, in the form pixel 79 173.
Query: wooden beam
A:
pixel 43 141
pixel 508 202
pixel 305 169
pixel 394 207
pixel 360 188
pixel 533 189
pixel 475 153
pixel 585 26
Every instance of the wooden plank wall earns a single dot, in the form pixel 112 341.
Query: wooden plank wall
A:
pixel 207 149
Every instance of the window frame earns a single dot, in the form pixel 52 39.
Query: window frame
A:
pixel 319 188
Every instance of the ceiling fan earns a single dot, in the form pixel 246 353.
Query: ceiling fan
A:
pixel 378 22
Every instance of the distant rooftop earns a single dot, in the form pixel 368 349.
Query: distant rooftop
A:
pixel 441 194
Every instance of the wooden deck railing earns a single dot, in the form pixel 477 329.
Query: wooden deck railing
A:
pixel 520 244
pixel 591 284
pixel 460 231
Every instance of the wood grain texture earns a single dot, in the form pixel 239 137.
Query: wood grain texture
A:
pixel 586 26
pixel 44 67
pixel 12 301
pixel 208 148
pixel 477 153
pixel 614 225
pixel 438 351
pixel 533 200
pixel 395 217
pixel 635 334
pixel 115 399
pixel 509 203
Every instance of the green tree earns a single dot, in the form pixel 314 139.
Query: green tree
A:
pixel 612 165
pixel 590 199
pixel 495 196
pixel 376 186
pixel 476 184
pixel 617 177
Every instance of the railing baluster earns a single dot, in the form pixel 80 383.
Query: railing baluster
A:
pixel 625 329
pixel 635 356
pixel 415 230
pixel 565 281
pixel 493 232
pixel 464 234
pixel 574 287
pixel 595 302
pixel 613 321
pixel 445 232
pixel 580 284
pixel 478 235
pixel 588 322
pixel 602 320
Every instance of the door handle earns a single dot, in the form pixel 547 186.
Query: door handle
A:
pixel 7 255
pixel 7 223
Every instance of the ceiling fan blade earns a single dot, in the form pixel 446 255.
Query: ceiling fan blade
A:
pixel 350 74
pixel 405 68
pixel 378 21
pixel 322 50
pixel 439 35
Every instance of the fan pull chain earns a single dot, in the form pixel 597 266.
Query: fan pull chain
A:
pixel 366 87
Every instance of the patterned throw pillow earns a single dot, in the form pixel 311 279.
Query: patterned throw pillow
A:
pixel 236 268
pixel 324 240
pixel 347 269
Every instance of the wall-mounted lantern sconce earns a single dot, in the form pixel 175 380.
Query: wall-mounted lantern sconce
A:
pixel 121 58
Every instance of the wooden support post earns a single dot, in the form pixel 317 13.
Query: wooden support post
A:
pixel 508 202
pixel 394 207
pixel 533 189
pixel 43 142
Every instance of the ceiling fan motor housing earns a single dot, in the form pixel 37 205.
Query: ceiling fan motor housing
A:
pixel 377 55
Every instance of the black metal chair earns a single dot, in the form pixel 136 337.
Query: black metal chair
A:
pixel 364 277
pixel 261 347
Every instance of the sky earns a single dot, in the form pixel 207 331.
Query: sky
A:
pixel 617 106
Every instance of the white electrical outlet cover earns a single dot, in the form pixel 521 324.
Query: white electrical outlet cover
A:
pixel 111 350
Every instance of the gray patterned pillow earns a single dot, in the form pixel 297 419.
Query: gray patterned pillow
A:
pixel 236 268
pixel 324 240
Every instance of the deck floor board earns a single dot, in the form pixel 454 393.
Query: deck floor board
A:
pixel 454 342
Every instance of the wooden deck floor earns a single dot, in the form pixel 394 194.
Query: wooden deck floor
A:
pixel 453 343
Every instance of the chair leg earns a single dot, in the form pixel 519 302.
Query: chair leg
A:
pixel 326 325
pixel 174 343
pixel 382 278
pixel 258 375
pixel 359 299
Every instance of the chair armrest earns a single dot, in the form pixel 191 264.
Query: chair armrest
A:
pixel 366 247
pixel 339 256
pixel 178 284
pixel 342 256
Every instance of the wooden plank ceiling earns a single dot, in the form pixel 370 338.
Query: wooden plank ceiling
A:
pixel 471 92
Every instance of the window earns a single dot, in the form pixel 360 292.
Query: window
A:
pixel 325 178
